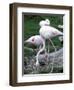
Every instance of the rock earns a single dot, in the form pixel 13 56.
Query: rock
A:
pixel 46 64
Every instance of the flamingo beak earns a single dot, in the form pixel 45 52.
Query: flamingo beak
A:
pixel 26 41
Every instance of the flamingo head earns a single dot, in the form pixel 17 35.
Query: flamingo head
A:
pixel 31 40
pixel 42 23
pixel 45 22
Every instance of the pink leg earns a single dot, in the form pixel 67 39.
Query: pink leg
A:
pixel 54 56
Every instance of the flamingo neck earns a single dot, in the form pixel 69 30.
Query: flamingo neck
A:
pixel 43 48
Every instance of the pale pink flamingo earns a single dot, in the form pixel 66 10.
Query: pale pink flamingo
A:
pixel 38 41
pixel 47 32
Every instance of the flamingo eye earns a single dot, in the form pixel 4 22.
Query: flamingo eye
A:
pixel 33 39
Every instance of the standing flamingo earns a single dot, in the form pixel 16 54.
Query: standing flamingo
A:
pixel 38 41
pixel 47 32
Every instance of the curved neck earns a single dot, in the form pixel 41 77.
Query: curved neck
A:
pixel 43 48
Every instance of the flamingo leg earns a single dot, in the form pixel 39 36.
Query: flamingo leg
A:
pixel 52 45
pixel 48 48
pixel 54 56
pixel 46 52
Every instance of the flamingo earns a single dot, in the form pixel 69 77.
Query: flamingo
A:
pixel 47 32
pixel 38 41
